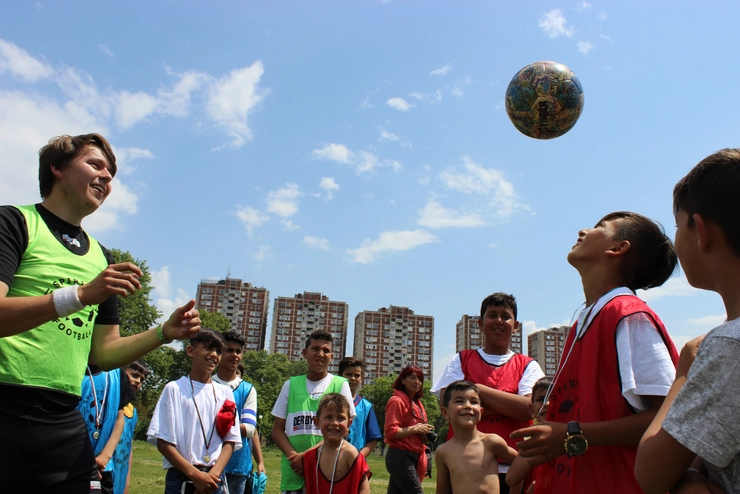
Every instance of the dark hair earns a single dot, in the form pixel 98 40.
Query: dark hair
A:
pixel 333 399
pixel 498 299
pixel 61 150
pixel 320 335
pixel 543 383
pixel 651 259
pixel 139 366
pixel 209 338
pixel 406 372
pixel 233 336
pixel 461 385
pixel 710 189
pixel 350 362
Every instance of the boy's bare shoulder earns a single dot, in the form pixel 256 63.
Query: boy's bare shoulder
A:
pixel 349 454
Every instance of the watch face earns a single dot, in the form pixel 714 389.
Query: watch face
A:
pixel 576 445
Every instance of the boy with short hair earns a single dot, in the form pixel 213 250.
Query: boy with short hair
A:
pixel 104 396
pixel 293 429
pixel 187 426
pixel 365 431
pixel 504 378
pixel 468 461
pixel 699 415
pixel 122 457
pixel 239 467
pixel 343 469
pixel 617 366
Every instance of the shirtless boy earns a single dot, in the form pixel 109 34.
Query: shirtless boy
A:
pixel 468 461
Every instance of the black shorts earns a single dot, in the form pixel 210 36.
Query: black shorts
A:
pixel 42 457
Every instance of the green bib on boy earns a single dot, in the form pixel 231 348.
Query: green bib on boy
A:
pixel 53 355
pixel 299 426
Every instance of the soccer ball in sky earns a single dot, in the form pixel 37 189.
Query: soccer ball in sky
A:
pixel 544 100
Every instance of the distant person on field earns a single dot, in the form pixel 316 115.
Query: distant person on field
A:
pixel 698 420
pixel 406 430
pixel 188 426
pixel 504 378
pixel 136 372
pixel 335 467
pixel 617 365
pixel 365 431
pixel 59 292
pixel 294 430
pixel 467 463
pixel 239 469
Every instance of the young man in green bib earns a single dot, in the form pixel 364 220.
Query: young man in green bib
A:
pixel 293 429
pixel 59 293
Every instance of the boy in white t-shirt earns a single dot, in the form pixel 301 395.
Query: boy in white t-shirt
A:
pixel 294 430
pixel 195 440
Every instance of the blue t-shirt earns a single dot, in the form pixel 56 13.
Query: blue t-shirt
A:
pixel 365 427
pixel 122 454
pixel 100 408
pixel 241 459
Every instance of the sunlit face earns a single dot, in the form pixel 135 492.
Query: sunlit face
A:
pixel 333 422
pixel 498 325
pixel 686 244
pixel 318 355
pixel 412 384
pixel 463 408
pixel 593 242
pixel 232 356
pixel 85 183
pixel 205 357
pixel 354 377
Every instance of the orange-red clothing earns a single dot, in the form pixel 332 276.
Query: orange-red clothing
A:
pixel 400 411
pixel 319 484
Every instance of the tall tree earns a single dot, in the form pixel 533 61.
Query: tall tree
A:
pixel 214 320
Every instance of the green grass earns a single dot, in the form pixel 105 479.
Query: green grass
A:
pixel 147 476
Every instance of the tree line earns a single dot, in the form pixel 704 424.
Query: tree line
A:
pixel 267 372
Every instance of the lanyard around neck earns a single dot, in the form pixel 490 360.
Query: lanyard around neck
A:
pixel 98 409
pixel 207 441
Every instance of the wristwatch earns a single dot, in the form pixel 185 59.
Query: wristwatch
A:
pixel 575 444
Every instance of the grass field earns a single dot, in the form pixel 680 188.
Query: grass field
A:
pixel 147 476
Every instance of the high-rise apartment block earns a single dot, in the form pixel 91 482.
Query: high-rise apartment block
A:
pixel 294 318
pixel 389 339
pixel 469 335
pixel 243 304
pixel 546 347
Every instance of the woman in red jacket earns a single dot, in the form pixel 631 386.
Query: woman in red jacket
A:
pixel 406 430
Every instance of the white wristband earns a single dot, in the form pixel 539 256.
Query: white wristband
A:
pixel 66 301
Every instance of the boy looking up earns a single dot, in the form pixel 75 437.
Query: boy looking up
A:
pixel 504 378
pixel 699 415
pixel 617 366
pixel 184 424
pixel 59 292
pixel 364 431
pixel 293 429
pixel 468 463
pixel 343 469
pixel 239 467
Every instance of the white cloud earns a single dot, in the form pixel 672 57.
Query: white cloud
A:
pixel 399 104
pixel 493 245
pixel 176 101
pixel 134 107
pixel 232 98
pixel 334 152
pixel 585 47
pixel 284 201
pixel 586 5
pixel 316 242
pixel 329 185
pixel 489 183
pixel 441 70
pixel 434 97
pixel 389 241
pixel 263 253
pixel 120 201
pixel 388 136
pixel 161 281
pixel 167 306
pixel 553 24
pixel 674 287
pixel 21 64
pixel 709 321
pixel 251 219
pixel 106 50
pixel 456 91
pixel 434 215
pixel 289 226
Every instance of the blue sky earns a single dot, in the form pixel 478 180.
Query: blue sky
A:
pixel 361 149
